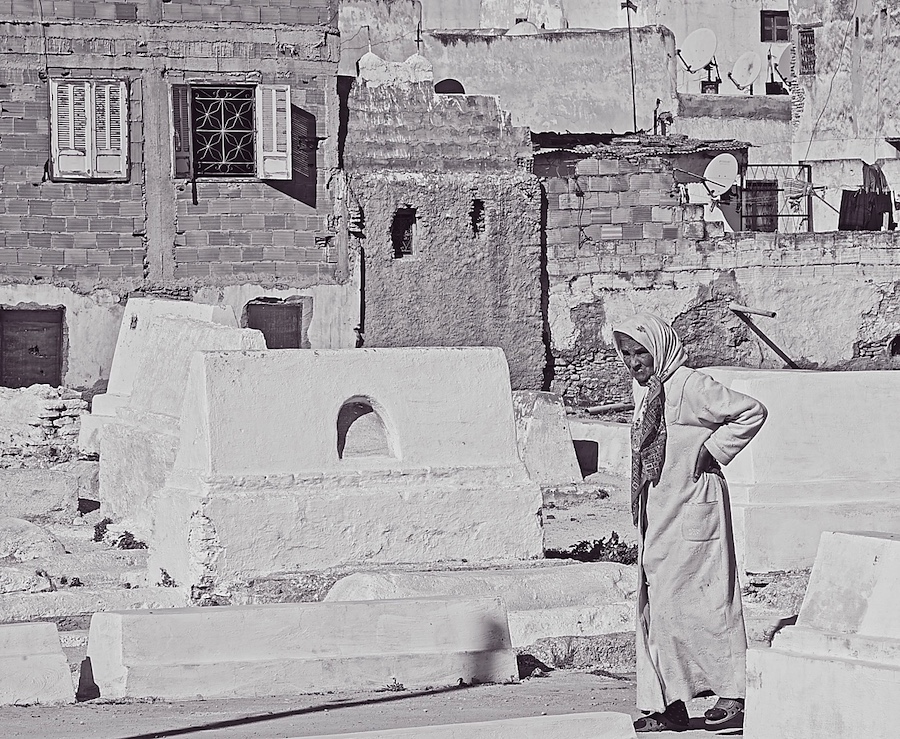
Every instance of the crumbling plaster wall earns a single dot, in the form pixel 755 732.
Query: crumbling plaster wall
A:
pixel 837 295
pixel 565 80
pixel 848 105
pixel 764 121
pixel 386 27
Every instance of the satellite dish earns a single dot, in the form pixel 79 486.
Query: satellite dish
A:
pixel 783 65
pixel 698 49
pixel 523 28
pixel 746 70
pixel 720 174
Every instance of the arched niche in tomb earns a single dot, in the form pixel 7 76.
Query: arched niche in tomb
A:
pixel 361 430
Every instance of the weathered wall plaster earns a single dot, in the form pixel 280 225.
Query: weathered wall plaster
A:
pixel 577 81
pixel 846 110
pixel 835 294
pixel 474 275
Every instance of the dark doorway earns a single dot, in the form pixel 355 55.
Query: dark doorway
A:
pixel 587 454
pixel 280 323
pixel 31 347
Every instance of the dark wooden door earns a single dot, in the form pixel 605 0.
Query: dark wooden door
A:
pixel 280 323
pixel 31 347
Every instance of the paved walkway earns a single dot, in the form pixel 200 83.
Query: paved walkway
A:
pixel 560 692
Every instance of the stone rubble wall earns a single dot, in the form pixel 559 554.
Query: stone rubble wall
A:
pixel 39 426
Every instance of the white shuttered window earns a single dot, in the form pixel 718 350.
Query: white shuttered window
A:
pixel 89 129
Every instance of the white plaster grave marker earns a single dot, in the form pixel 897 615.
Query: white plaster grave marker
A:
pixel 290 648
pixel 33 668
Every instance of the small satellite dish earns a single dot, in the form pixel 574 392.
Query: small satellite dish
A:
pixel 698 49
pixel 720 174
pixel 523 28
pixel 783 65
pixel 746 70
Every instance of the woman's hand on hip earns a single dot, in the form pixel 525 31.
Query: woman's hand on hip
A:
pixel 705 463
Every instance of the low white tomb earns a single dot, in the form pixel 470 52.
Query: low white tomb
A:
pixel 136 327
pixel 297 460
pixel 825 460
pixel 138 445
pixel 836 673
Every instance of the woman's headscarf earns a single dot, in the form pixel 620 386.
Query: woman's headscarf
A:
pixel 648 432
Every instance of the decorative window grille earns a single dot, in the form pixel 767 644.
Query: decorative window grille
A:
pixel 89 129
pixel 232 131
pixel 806 38
pixel 774 25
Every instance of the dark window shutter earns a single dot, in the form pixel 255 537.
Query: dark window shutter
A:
pixel 280 323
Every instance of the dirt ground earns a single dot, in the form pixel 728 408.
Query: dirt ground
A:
pixel 560 692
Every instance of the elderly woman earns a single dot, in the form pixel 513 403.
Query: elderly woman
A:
pixel 690 628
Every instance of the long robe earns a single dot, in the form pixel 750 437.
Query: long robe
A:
pixel 690 627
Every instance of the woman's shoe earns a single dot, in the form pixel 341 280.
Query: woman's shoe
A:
pixel 674 718
pixel 727 712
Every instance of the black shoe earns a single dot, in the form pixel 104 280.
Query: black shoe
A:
pixel 727 713
pixel 674 718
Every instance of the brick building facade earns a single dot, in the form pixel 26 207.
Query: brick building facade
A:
pixel 183 148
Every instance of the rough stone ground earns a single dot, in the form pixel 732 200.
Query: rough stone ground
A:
pixel 580 674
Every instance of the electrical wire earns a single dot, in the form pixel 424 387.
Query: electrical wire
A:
pixel 833 75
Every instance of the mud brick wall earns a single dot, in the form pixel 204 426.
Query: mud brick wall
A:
pixel 39 426
pixel 474 278
pixel 408 126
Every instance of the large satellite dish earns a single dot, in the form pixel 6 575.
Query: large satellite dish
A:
pixel 720 174
pixel 746 70
pixel 783 65
pixel 698 49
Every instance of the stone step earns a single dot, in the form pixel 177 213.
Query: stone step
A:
pixel 563 600
pixel 17 607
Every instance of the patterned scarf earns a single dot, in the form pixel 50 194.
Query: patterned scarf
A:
pixel 648 432
pixel 648 444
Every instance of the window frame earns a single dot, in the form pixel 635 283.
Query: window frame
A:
pixel 774 16
pixel 272 144
pixel 90 153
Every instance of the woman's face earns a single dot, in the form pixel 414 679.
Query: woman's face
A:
pixel 637 359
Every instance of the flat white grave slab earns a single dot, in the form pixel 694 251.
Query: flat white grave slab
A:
pixel 291 648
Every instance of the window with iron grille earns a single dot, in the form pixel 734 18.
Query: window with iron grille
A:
pixel 806 38
pixel 760 205
pixel 775 25
pixel 88 129
pixel 232 131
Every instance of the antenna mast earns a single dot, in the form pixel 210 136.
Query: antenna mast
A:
pixel 630 7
